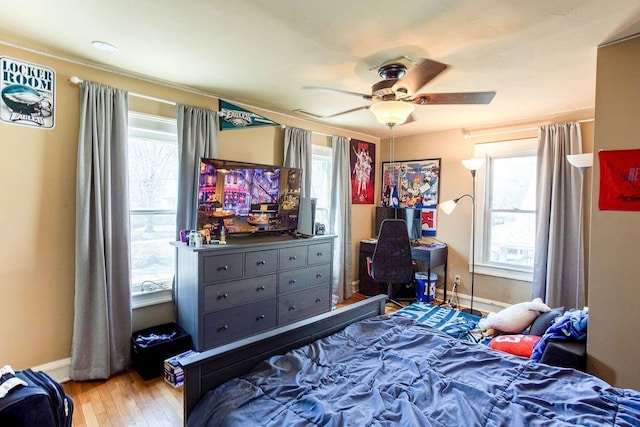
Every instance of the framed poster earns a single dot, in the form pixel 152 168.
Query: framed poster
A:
pixel 362 158
pixel 411 183
pixel 619 180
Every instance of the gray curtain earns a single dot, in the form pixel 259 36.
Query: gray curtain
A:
pixel 340 217
pixel 197 137
pixel 102 317
pixel 298 154
pixel 556 268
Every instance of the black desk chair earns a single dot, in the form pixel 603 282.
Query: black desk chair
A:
pixel 392 262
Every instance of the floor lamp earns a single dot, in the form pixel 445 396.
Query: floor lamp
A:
pixel 447 207
pixel 582 162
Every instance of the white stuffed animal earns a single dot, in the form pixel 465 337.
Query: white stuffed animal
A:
pixel 514 319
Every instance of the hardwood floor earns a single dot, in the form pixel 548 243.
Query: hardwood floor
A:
pixel 127 400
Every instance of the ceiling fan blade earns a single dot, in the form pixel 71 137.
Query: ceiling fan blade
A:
pixel 330 90
pixel 453 98
pixel 418 76
pixel 318 116
pixel 364 107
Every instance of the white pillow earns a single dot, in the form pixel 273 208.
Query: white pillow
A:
pixel 514 319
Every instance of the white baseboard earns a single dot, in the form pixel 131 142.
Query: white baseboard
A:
pixel 482 304
pixel 59 370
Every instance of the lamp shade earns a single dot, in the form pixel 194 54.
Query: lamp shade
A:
pixel 581 160
pixel 392 113
pixel 448 206
pixel 474 163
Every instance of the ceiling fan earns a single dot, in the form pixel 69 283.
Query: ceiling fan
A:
pixel 400 85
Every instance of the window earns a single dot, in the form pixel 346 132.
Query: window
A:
pixel 321 170
pixel 507 209
pixel 153 188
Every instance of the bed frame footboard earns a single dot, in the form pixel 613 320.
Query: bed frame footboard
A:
pixel 207 370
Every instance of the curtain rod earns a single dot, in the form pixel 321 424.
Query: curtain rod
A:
pixel 77 80
pixel 314 132
pixel 468 135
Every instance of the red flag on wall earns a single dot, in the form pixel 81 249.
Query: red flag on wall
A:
pixel 619 180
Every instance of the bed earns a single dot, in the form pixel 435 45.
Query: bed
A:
pixel 357 366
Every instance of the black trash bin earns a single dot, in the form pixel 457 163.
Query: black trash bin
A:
pixel 150 347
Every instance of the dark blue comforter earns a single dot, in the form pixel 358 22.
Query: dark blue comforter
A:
pixel 392 371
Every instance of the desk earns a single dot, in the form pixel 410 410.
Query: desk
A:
pixel 433 255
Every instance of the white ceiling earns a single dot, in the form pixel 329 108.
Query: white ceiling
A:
pixel 538 55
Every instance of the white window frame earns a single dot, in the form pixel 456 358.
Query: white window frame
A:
pixel 513 148
pixel 148 298
pixel 325 154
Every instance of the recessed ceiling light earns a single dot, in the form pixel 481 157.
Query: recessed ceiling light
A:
pixel 104 46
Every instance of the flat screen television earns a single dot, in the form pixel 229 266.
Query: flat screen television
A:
pixel 412 216
pixel 247 197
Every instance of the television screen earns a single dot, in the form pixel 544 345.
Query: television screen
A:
pixel 247 197
pixel 412 216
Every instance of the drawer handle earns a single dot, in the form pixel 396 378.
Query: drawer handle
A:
pixel 226 267
pixel 291 308
pixel 223 296
pixel 292 282
pixel 262 262
pixel 261 288
pixel 292 258
pixel 318 300
pixel 260 317
pixel 319 254
pixel 318 276
pixel 223 328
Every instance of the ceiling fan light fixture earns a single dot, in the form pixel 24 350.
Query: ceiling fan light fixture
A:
pixel 392 113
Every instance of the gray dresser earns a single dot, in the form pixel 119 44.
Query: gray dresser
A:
pixel 252 284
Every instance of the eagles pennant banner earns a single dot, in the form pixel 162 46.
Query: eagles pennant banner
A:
pixel 233 117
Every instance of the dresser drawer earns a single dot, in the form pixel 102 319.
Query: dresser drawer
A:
pixel 295 280
pixel 225 326
pixel 320 253
pixel 216 268
pixel 303 304
pixel 229 294
pixel 293 257
pixel 261 262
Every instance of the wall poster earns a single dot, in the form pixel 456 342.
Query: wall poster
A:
pixel 362 159
pixel 413 184
pixel 27 93
pixel 619 180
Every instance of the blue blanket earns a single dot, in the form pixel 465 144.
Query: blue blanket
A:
pixel 392 371
pixel 572 325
